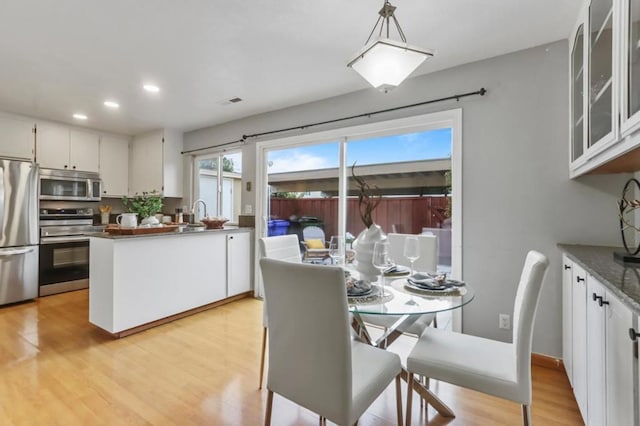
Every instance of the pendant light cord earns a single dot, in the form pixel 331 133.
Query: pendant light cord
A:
pixel 244 138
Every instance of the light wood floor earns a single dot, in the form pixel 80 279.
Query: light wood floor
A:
pixel 55 368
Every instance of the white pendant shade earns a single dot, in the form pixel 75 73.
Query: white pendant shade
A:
pixel 385 63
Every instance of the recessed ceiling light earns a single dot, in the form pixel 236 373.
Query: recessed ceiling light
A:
pixel 151 88
pixel 111 104
pixel 79 116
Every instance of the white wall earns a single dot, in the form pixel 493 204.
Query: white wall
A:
pixel 517 194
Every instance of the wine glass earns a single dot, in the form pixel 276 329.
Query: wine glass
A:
pixel 336 249
pixel 380 258
pixel 411 250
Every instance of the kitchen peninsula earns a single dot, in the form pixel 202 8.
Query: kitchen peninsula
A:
pixel 139 281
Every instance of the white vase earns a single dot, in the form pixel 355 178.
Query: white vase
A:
pixel 363 245
pixel 151 220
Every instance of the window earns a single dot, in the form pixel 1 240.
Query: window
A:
pixel 218 183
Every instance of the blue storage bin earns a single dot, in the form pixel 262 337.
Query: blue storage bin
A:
pixel 277 227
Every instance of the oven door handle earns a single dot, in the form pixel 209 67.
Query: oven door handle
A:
pixel 58 240
pixel 15 252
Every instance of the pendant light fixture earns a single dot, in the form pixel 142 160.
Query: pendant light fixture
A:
pixel 385 63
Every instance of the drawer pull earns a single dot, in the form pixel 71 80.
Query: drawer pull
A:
pixel 579 279
pixel 567 267
pixel 633 334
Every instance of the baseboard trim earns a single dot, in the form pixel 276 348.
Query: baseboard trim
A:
pixel 547 361
pixel 171 318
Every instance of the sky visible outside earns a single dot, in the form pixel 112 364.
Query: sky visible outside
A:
pixel 427 145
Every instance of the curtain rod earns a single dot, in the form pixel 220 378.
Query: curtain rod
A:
pixel 244 138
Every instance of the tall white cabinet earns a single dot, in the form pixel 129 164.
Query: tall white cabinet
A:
pixel 156 163
pixel 16 137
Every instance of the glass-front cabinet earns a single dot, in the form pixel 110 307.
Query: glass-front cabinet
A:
pixel 601 82
pixel 630 67
pixel 597 80
pixel 577 95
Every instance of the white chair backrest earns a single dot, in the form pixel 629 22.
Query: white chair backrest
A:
pixel 313 233
pixel 309 335
pixel 283 247
pixel 428 260
pixel 524 310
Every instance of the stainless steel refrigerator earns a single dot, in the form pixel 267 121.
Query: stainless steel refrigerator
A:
pixel 18 231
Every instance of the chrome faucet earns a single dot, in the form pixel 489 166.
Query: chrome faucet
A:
pixel 195 212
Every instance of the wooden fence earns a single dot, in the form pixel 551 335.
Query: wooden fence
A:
pixel 409 214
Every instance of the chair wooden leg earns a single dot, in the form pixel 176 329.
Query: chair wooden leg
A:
pixel 264 349
pixel 399 399
pixel 267 415
pixel 409 397
pixel 526 415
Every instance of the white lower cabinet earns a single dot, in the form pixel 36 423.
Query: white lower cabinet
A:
pixel 567 316
pixel 596 379
pixel 619 365
pixel 579 331
pixel 601 359
pixel 238 263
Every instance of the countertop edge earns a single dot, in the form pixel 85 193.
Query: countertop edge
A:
pixel 227 230
pixel 605 271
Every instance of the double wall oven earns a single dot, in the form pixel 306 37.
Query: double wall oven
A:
pixel 64 249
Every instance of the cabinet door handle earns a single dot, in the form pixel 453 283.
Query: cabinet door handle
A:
pixel 596 297
pixel 579 279
pixel 602 302
pixel 65 166
pixel 74 167
pixel 567 267
pixel 633 334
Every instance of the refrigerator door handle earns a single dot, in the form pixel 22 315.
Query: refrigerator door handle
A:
pixel 14 252
pixel 1 196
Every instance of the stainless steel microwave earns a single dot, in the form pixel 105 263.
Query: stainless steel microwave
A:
pixel 69 185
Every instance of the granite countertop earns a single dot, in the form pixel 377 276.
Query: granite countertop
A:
pixel 623 280
pixel 178 233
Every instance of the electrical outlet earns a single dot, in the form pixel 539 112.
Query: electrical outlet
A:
pixel 504 321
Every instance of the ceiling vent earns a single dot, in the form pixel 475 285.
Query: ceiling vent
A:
pixel 233 100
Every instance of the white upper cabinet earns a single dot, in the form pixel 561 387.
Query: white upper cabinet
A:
pixel 52 146
pixel 114 166
pixel 58 147
pixel 602 87
pixel 16 137
pixel 84 151
pixel 156 163
pixel 577 94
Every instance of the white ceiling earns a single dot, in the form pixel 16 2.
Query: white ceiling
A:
pixel 66 56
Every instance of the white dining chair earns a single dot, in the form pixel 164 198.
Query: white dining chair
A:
pixel 313 361
pixel 427 262
pixel 283 247
pixel 496 368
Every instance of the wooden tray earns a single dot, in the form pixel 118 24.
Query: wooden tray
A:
pixel 115 230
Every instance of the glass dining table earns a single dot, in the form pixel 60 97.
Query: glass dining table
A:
pixel 405 304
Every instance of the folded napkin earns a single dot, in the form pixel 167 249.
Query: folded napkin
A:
pixel 430 283
pixel 396 270
pixel 358 287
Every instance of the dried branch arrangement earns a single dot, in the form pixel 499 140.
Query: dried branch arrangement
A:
pixel 367 200
pixel 625 208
